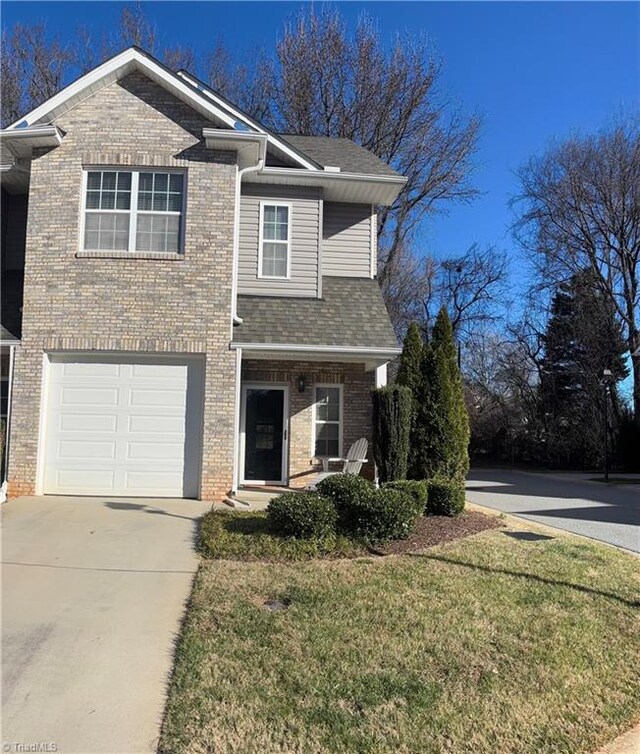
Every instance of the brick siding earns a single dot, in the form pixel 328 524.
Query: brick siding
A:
pixel 128 304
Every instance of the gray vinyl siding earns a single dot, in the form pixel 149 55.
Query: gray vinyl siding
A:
pixel 305 234
pixel 346 240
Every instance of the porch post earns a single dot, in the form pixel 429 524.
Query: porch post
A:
pixel 236 424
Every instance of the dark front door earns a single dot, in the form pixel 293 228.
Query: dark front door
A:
pixel 264 434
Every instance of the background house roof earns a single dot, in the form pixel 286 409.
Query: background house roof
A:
pixel 340 152
pixel 351 313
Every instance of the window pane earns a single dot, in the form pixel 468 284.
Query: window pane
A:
pixel 145 182
pixel 327 440
pixel 93 200
pixel 328 404
pixel 161 182
pixel 274 259
pixel 123 201
pixel 175 182
pixel 282 215
pixel 145 200
pixel 159 202
pixel 158 233
pixel 106 232
pixel 175 202
pixel 124 181
pixel 93 180
pixel 108 181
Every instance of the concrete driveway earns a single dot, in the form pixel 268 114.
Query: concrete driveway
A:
pixel 93 592
pixel 608 513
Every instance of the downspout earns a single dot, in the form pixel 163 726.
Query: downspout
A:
pixel 5 474
pixel 235 319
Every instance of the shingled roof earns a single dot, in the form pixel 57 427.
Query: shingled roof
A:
pixel 342 153
pixel 351 313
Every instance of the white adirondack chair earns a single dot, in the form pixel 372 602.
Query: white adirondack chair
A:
pixel 352 464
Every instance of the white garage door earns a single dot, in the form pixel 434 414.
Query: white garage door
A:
pixel 123 426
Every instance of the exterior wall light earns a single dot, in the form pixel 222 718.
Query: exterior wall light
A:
pixel 302 383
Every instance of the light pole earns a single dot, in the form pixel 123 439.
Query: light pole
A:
pixel 607 379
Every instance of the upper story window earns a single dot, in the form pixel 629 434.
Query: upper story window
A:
pixel 133 210
pixel 275 240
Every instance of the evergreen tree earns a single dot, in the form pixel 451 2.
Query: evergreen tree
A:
pixel 410 375
pixel 582 339
pixel 442 420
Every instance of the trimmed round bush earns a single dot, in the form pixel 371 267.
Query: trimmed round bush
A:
pixel 344 489
pixel 383 514
pixel 417 488
pixel 306 515
pixel 445 498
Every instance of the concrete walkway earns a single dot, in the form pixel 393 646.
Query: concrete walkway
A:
pixel 608 513
pixel 93 592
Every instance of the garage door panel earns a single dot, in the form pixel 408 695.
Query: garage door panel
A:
pixel 80 481
pixel 157 397
pixel 141 423
pixel 87 422
pixel 144 482
pixel 85 396
pixel 153 451
pixel 88 369
pixel 122 428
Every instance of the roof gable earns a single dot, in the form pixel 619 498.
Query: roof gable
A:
pixel 201 99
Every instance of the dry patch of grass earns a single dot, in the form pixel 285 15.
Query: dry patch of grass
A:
pixel 490 645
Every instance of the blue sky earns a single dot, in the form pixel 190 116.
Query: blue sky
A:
pixel 533 70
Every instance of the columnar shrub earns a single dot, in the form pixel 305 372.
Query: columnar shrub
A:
pixel 417 488
pixel 392 412
pixel 384 514
pixel 303 514
pixel 445 498
pixel 410 375
pixel 442 420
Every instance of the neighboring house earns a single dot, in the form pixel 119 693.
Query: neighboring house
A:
pixel 200 308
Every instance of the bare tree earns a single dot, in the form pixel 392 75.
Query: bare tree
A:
pixel 179 58
pixel 248 86
pixel 136 29
pixel 472 287
pixel 35 68
pixel 579 209
pixel 386 99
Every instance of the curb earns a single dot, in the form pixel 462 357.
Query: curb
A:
pixel 627 743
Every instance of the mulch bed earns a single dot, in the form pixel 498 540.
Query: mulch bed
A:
pixel 433 530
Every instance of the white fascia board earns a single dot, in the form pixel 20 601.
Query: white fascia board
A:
pixel 247 120
pixel 21 142
pixel 367 352
pixel 251 146
pixel 128 60
pixel 386 188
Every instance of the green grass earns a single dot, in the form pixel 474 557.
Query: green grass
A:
pixel 247 536
pixel 486 646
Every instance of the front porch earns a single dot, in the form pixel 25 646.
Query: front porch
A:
pixel 295 417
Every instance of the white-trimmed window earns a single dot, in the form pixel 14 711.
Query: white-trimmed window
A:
pixel 133 210
pixel 275 240
pixel 327 421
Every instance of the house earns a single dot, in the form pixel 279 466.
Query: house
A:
pixel 200 308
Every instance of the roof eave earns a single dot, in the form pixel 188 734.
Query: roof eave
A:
pixel 376 189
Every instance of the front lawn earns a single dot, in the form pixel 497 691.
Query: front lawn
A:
pixel 489 645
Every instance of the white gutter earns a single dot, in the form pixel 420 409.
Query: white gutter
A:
pixel 237 141
pixel 298 348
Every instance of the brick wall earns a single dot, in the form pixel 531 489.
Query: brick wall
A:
pixel 357 385
pixel 128 304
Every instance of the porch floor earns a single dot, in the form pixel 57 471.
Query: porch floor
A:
pixel 256 498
